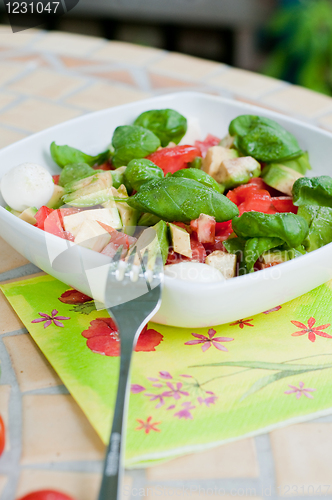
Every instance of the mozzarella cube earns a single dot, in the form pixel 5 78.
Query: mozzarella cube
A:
pixel 109 216
pixel 91 235
pixel 224 262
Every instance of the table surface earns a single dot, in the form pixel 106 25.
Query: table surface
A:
pixel 45 79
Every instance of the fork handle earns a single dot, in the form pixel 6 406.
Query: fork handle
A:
pixel 112 475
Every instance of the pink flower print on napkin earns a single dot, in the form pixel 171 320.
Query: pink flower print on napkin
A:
pixel 175 391
pixel 209 341
pixel 301 390
pixel 185 412
pixel 49 319
pixel 311 330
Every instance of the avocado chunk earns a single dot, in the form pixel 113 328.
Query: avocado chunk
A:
pixel 224 262
pixel 129 216
pixel 28 215
pixel 300 164
pixel 180 240
pixel 280 177
pixel 215 156
pixel 93 190
pixel 148 220
pixel 12 211
pixel 237 171
pixel 56 198
pixel 273 257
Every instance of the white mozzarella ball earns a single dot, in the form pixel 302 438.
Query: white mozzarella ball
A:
pixel 194 132
pixel 194 272
pixel 27 185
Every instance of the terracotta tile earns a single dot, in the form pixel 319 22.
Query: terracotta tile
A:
pixel 117 76
pixel 302 455
pixel 9 136
pixel 83 486
pixel 9 319
pixel 10 259
pixel 236 459
pixel 182 66
pixel 244 82
pixel 4 403
pixel 31 368
pixel 129 53
pixel 3 482
pixel 34 115
pixel 103 95
pixel 6 99
pixel 68 44
pixel 79 485
pixel 195 492
pixel 297 100
pixel 74 62
pixel 46 83
pixel 19 39
pixel 56 430
pixel 162 82
pixel 9 70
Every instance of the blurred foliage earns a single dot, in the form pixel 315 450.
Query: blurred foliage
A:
pixel 302 52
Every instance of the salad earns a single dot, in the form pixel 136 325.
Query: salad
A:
pixel 234 205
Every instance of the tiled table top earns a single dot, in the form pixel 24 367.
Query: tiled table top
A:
pixel 45 79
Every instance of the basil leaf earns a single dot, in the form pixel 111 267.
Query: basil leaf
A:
pixel 313 191
pixel 138 172
pixel 255 247
pixel 66 155
pixel 291 228
pixel 167 124
pixel 320 226
pixel 199 176
pixel 263 139
pixel 130 142
pixel 180 199
pixel 75 172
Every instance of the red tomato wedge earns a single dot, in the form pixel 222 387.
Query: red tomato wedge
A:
pixel 56 178
pixel 284 204
pixel 46 495
pixel 2 436
pixel 209 141
pixel 198 253
pixel 205 228
pixel 171 160
pixel 42 215
pixel 54 223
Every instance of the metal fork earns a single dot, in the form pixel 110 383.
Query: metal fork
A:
pixel 131 305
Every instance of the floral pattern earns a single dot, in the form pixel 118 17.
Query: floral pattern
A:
pixel 311 330
pixel 49 319
pixel 147 425
pixel 242 323
pixel 209 341
pixel 102 338
pixel 182 394
pixel 274 309
pixel 300 391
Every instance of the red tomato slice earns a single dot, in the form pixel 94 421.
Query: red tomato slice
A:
pixel 172 159
pixel 46 495
pixel 257 204
pixel 54 223
pixel 224 228
pixel 104 166
pixel 2 436
pixel 41 216
pixel 205 227
pixel 56 178
pixel 284 204
pixel 209 141
pixel 218 244
pixel 198 253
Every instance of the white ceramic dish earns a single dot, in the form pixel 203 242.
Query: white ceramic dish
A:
pixel 184 304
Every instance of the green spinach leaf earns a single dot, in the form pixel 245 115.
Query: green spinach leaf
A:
pixel 313 191
pixel 200 176
pixel 130 142
pixel 291 228
pixel 264 139
pixel 66 155
pixel 138 172
pixel 75 172
pixel 167 124
pixel 255 247
pixel 319 220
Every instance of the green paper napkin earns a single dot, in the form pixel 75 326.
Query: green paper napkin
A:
pixel 191 388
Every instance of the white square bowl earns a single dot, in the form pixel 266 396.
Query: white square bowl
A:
pixel 184 304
